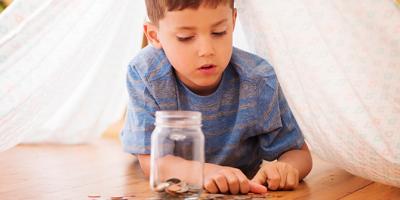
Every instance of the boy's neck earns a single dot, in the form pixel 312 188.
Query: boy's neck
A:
pixel 203 91
pixel 207 91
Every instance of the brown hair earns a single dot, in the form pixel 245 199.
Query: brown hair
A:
pixel 156 8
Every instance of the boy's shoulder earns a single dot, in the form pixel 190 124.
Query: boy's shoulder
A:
pixel 151 63
pixel 253 68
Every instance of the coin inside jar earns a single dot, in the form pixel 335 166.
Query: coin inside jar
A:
pixel 161 187
pixel 173 180
pixel 184 188
pixel 173 188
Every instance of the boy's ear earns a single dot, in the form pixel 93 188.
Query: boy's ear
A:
pixel 151 32
pixel 234 15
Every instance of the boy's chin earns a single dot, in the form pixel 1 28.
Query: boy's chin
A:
pixel 207 84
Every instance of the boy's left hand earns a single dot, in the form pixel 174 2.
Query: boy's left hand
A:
pixel 278 175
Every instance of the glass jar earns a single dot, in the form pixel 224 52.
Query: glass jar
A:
pixel 177 155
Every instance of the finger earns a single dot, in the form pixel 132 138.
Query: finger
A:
pixel 221 182
pixel 291 180
pixel 260 177
pixel 210 186
pixel 283 171
pixel 274 178
pixel 243 182
pixel 232 180
pixel 257 188
pixel 296 179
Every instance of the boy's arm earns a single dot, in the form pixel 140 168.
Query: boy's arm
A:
pixel 144 161
pixel 285 174
pixel 284 143
pixel 217 178
pixel 299 159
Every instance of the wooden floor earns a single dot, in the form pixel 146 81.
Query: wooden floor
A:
pixel 101 168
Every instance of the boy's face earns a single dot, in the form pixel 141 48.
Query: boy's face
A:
pixel 198 44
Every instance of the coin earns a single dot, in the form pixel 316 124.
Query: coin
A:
pixel 94 196
pixel 242 197
pixel 173 188
pixel 194 188
pixel 173 180
pixel 258 196
pixel 215 196
pixel 154 198
pixel 162 186
pixel 184 188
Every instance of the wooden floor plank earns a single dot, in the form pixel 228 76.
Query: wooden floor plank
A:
pixel 376 191
pixel 41 172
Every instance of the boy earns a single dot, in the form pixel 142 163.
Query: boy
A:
pixel 192 65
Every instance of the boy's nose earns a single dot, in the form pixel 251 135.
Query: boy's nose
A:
pixel 206 48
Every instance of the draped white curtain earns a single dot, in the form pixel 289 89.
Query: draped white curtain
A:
pixel 62 67
pixel 339 64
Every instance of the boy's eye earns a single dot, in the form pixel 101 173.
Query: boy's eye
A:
pixel 184 39
pixel 219 33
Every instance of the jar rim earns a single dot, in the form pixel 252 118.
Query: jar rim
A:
pixel 178 113
pixel 178 118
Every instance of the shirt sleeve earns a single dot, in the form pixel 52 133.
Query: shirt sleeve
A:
pixel 140 116
pixel 285 133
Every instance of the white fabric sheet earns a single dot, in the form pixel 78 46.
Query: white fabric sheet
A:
pixel 62 68
pixel 338 62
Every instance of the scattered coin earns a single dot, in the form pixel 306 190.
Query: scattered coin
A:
pixel 252 196
pixel 154 198
pixel 94 196
pixel 242 197
pixel 258 196
pixel 215 196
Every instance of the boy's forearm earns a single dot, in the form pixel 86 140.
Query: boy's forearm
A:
pixel 168 166
pixel 144 161
pixel 300 159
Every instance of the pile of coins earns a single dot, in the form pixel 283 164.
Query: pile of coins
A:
pixel 174 187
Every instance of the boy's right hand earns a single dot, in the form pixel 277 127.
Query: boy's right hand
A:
pixel 230 180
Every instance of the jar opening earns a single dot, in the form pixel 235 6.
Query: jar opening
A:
pixel 178 118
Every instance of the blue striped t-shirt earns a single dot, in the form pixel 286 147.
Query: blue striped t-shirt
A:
pixel 247 119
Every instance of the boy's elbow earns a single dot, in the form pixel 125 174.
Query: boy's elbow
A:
pixel 144 161
pixel 310 166
pixel 308 159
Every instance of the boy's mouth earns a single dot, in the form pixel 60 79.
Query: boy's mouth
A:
pixel 206 67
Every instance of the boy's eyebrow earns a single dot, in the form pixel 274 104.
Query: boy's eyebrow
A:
pixel 219 22
pixel 192 28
